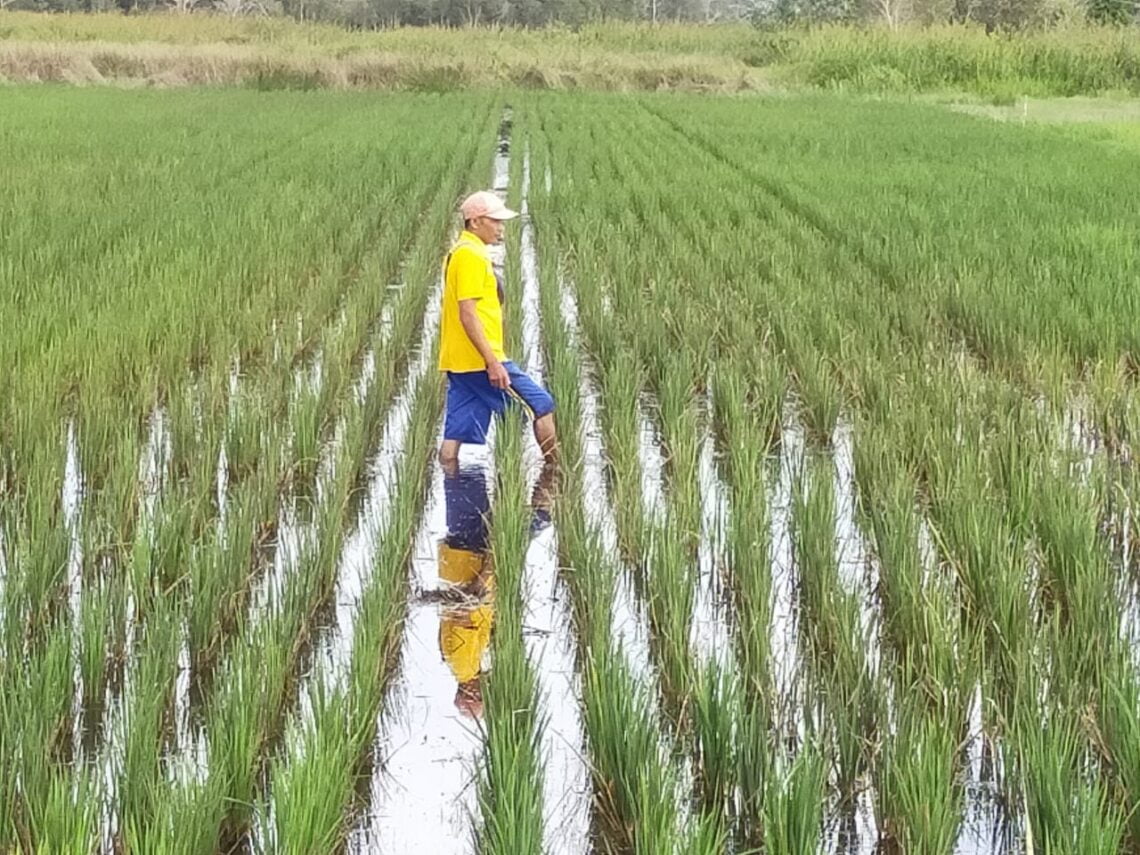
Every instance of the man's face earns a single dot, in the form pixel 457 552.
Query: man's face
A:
pixel 488 229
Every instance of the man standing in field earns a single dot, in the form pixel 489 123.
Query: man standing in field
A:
pixel 481 380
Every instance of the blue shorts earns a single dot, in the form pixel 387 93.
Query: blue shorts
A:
pixel 472 400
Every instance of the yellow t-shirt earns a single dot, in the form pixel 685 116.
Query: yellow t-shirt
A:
pixel 469 276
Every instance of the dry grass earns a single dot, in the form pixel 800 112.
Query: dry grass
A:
pixel 221 64
pixel 165 50
pixel 275 53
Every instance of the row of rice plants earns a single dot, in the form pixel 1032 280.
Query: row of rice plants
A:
pixel 661 541
pixel 673 355
pixel 931 423
pixel 671 361
pixel 702 695
pixel 146 227
pixel 633 782
pixel 220 576
pixel 311 794
pixel 390 353
pixel 1029 253
pixel 239 526
pixel 511 793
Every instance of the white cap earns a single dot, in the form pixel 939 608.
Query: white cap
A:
pixel 485 204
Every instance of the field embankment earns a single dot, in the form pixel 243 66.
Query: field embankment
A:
pixel 167 50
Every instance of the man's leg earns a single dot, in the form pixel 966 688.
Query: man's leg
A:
pixel 468 414
pixel 542 497
pixel 449 455
pixel 449 450
pixel 540 407
pixel 547 437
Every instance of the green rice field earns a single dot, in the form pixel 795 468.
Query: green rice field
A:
pixel 840 556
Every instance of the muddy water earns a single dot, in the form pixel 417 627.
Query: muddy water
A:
pixel 1079 439
pixel 222 488
pixel 985 824
pixel 551 648
pixel 72 499
pixel 852 829
pixel 222 471
pixel 858 569
pixel 153 469
pixel 534 363
pixel 154 466
pixel 72 496
pixel 501 168
pixel 113 755
pixel 188 761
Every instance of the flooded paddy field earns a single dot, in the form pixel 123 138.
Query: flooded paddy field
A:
pixel 839 554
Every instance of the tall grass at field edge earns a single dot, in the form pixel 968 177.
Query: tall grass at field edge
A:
pixel 203 49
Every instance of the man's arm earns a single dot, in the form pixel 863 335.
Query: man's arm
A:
pixel 468 316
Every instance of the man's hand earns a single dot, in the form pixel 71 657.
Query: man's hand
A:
pixel 498 375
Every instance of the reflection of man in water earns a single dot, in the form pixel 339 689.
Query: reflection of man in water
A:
pixel 465 563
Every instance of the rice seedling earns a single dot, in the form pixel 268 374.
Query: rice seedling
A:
pixel 1067 808
pixel 933 652
pixel 716 711
pixel 793 807
pixel 843 672
pixel 67 820
pixel 136 732
pixel 920 799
